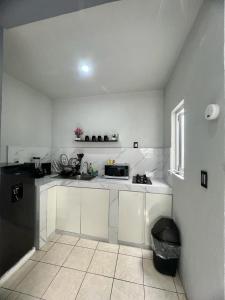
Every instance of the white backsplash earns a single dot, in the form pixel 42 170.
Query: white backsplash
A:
pixel 140 160
pixel 25 154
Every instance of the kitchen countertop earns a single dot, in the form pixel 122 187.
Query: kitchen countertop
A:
pixel 158 186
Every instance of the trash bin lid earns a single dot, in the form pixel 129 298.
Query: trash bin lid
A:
pixel 166 230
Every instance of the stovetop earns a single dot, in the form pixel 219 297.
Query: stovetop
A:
pixel 141 179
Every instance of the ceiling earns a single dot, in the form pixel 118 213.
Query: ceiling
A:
pixel 14 13
pixel 130 45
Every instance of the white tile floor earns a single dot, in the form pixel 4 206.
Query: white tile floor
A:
pixel 71 268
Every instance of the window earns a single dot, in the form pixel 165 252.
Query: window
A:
pixel 177 139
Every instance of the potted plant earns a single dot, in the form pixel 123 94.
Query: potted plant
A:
pixel 78 132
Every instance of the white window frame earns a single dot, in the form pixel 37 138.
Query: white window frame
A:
pixel 177 140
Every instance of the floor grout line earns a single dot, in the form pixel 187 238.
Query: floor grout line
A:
pixel 111 289
pixel 107 251
pixel 56 242
pixel 20 293
pixel 85 273
pixel 50 282
pixel 85 247
pixel 73 246
pixel 91 258
pixel 132 282
pixel 161 289
pixel 60 267
pixel 116 265
pixel 23 277
pixel 114 272
pixel 87 270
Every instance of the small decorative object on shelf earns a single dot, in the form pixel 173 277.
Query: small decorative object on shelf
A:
pixel 95 138
pixel 78 132
pixel 114 137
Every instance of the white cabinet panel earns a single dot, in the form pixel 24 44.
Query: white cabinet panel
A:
pixel 51 211
pixel 43 218
pixel 131 217
pixel 157 205
pixel 94 212
pixel 68 209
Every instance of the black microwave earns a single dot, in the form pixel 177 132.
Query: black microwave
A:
pixel 118 171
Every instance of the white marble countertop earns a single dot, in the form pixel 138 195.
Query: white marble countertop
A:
pixel 157 187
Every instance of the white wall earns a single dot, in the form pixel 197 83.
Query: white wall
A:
pixel 198 79
pixel 26 116
pixel 135 116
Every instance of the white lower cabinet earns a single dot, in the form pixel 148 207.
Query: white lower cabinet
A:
pixel 51 211
pixel 86 211
pixel 157 205
pixel 131 217
pixel 68 209
pixel 83 210
pixel 94 212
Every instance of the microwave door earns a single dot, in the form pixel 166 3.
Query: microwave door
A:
pixel 117 172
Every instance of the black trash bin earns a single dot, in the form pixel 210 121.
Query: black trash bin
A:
pixel 166 246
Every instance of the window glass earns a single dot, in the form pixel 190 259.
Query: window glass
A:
pixel 177 139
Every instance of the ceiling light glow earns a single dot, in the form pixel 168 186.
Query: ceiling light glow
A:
pixel 85 69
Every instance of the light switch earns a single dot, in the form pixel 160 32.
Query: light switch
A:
pixel 204 179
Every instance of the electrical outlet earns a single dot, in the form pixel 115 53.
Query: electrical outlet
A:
pixel 204 179
pixel 135 144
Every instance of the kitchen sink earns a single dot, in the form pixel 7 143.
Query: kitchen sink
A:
pixel 85 177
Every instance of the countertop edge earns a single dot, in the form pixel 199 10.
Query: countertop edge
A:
pixel 157 187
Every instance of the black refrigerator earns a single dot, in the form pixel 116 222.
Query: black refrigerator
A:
pixel 17 214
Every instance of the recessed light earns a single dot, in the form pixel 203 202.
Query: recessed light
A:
pixel 85 69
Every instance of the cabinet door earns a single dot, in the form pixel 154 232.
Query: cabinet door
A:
pixel 68 209
pixel 95 212
pixel 157 205
pixel 131 217
pixel 51 211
